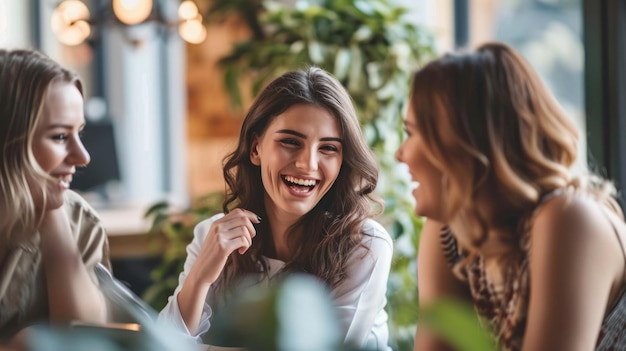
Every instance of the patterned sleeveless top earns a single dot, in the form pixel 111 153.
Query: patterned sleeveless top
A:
pixel 504 304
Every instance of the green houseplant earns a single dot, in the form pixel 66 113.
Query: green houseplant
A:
pixel 372 49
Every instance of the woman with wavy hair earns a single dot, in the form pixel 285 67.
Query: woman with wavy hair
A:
pixel 50 238
pixel 535 244
pixel 299 199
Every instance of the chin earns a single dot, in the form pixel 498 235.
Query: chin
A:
pixel 55 198
pixel 426 211
pixel 419 211
pixel 54 203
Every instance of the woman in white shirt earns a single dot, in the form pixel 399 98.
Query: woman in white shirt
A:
pixel 299 199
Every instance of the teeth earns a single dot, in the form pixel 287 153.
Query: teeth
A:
pixel 65 180
pixel 303 182
pixel 414 185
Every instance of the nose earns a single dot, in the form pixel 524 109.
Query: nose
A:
pixel 307 159
pixel 78 155
pixel 399 153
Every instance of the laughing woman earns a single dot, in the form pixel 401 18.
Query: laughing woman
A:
pixel 299 200
pixel 50 239
pixel 534 243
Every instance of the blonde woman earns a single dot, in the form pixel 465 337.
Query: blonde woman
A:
pixel 50 239
pixel 537 248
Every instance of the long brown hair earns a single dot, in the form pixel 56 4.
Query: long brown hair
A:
pixel 25 77
pixel 498 135
pixel 333 227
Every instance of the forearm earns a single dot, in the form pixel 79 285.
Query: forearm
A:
pixel 191 300
pixel 72 294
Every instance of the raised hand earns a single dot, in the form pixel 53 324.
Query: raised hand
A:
pixel 232 232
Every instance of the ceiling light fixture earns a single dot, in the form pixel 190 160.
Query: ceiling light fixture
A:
pixel 73 24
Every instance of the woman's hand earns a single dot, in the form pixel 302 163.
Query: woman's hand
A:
pixel 232 232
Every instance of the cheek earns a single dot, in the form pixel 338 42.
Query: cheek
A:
pixel 333 169
pixel 414 156
pixel 266 176
pixel 45 156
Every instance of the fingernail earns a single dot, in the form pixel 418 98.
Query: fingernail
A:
pixel 258 218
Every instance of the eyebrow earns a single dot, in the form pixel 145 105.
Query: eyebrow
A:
pixel 64 126
pixel 300 135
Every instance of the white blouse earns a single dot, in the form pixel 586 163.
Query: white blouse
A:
pixel 360 299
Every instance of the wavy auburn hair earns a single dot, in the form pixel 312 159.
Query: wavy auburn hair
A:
pixel 25 77
pixel 498 135
pixel 333 228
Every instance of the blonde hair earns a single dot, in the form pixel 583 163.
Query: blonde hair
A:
pixel 500 138
pixel 25 77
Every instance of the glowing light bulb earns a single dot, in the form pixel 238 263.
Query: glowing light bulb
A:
pixel 69 22
pixel 192 31
pixel 187 10
pixel 132 11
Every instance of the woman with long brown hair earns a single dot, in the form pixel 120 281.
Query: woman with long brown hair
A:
pixel 515 224
pixel 299 199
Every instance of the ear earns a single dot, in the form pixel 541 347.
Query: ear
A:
pixel 254 152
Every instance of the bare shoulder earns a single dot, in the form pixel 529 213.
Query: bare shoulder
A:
pixel 575 265
pixel 575 241
pixel 574 217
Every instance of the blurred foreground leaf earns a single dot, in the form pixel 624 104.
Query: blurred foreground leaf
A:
pixel 458 324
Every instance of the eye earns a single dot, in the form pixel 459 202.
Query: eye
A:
pixel 329 147
pixel 289 142
pixel 60 137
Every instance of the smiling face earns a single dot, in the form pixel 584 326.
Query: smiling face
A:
pixel 429 191
pixel 56 144
pixel 300 155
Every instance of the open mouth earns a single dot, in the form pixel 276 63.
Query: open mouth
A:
pixel 300 185
pixel 64 180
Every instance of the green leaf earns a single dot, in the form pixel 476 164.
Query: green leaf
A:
pixel 364 33
pixel 156 209
pixel 342 64
pixel 231 81
pixel 458 324
pixel 355 73
pixel 316 52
